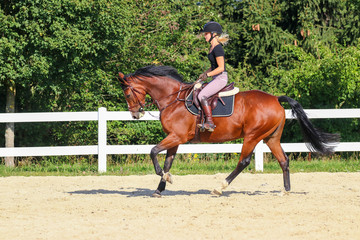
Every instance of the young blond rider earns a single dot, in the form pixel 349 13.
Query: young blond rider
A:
pixel 213 34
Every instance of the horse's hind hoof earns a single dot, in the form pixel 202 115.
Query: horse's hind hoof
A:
pixel 156 194
pixel 283 193
pixel 216 192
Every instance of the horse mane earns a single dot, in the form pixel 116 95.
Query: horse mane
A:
pixel 152 70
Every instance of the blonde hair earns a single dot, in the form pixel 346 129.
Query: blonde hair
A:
pixel 223 38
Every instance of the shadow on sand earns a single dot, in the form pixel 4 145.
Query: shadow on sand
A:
pixel 145 192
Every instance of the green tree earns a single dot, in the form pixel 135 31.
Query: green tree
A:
pixel 64 55
pixel 49 48
pixel 13 67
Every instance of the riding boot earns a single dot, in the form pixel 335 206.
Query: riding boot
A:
pixel 209 124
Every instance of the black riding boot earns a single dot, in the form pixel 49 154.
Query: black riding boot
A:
pixel 209 124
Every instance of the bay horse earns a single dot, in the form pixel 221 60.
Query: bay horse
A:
pixel 257 116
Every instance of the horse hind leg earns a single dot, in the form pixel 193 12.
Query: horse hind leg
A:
pixel 245 159
pixel 280 155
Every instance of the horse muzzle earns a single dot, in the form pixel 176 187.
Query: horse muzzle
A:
pixel 138 114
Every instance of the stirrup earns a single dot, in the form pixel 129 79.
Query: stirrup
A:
pixel 206 126
pixel 209 126
pixel 201 126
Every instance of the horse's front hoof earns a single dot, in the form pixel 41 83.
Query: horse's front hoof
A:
pixel 156 194
pixel 168 177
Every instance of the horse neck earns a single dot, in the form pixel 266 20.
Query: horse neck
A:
pixel 162 89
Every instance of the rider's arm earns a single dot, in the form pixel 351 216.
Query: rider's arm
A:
pixel 207 71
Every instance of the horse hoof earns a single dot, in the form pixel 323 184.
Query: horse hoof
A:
pixel 284 193
pixel 225 184
pixel 168 177
pixel 216 192
pixel 156 194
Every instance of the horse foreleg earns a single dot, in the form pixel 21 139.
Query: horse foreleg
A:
pixel 171 143
pixel 170 155
pixel 153 154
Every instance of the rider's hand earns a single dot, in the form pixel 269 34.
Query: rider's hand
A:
pixel 203 76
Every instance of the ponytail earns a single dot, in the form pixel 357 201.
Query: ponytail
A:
pixel 223 38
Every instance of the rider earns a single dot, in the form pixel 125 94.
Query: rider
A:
pixel 213 35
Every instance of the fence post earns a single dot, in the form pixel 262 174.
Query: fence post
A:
pixel 102 133
pixel 259 156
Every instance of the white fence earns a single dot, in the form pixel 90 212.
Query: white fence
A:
pixel 102 149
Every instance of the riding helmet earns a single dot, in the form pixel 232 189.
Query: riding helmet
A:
pixel 212 27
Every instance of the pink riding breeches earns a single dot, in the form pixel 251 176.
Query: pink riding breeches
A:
pixel 219 82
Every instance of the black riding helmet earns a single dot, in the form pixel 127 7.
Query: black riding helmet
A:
pixel 212 27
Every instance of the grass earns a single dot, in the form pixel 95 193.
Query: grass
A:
pixel 183 165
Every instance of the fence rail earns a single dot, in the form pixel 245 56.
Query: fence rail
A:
pixel 102 149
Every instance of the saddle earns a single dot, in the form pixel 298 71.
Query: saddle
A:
pixel 222 105
pixel 228 90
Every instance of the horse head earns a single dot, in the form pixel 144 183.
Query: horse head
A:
pixel 134 96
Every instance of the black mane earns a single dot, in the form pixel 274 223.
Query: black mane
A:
pixel 151 71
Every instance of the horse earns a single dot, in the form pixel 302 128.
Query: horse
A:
pixel 257 116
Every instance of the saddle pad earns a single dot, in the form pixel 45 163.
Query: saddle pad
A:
pixel 220 110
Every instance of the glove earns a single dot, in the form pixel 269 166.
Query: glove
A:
pixel 203 76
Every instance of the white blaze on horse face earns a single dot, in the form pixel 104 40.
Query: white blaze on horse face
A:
pixel 141 114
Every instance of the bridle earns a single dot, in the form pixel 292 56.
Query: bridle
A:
pixel 134 92
pixel 126 85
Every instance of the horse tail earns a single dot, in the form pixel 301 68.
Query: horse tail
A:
pixel 315 139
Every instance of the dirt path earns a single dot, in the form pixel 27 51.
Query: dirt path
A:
pixel 320 206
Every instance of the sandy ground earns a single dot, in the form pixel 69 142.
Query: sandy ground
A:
pixel 320 206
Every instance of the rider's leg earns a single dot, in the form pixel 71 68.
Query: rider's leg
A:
pixel 218 83
pixel 212 88
pixel 209 124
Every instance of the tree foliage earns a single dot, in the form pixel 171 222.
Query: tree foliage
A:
pixel 63 55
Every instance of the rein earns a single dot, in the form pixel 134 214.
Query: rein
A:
pixel 177 97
